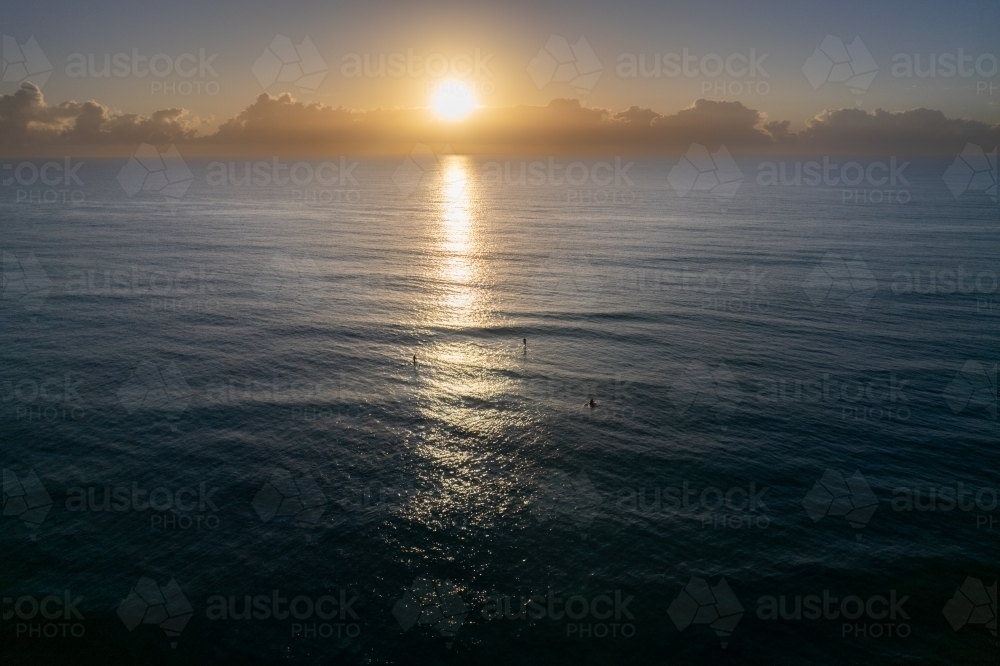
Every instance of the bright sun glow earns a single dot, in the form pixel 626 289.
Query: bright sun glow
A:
pixel 453 100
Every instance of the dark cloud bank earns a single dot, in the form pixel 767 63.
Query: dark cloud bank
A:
pixel 28 125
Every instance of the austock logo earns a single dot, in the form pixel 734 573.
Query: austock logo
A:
pixel 737 507
pixel 944 65
pixel 40 183
pixel 285 62
pixel 973 389
pixel 25 281
pixel 25 63
pixel 947 498
pixel 871 176
pixel 577 612
pixel 288 279
pixel 973 171
pixel 182 508
pixel 148 603
pixel 973 603
pixel 51 616
pixel 322 183
pixel 152 171
pixel 835 62
pixel 432 602
pixel 436 66
pixel 733 75
pixel 410 173
pixel 702 388
pixel 551 173
pixel 702 171
pixel 880 397
pixel 162 289
pixel 875 616
pixel 560 62
pixel 303 609
pixel 564 496
pixel 286 495
pixel 833 495
pixel 150 388
pixel 193 72
pixel 699 603
pixel 26 498
pixel 839 280
pixel 853 499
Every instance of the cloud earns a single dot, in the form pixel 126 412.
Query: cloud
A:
pixel 283 120
pixel 562 126
pixel 27 121
pixel 712 123
pixel 930 132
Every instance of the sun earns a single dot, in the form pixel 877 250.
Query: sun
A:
pixel 453 100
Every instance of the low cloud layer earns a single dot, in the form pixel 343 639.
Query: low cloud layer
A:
pixel 29 125
pixel 26 121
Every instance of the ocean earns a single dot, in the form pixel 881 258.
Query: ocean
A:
pixel 337 411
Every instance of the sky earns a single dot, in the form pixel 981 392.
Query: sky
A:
pixel 506 54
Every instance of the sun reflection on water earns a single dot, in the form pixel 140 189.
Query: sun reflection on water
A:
pixel 458 270
pixel 465 376
pixel 467 393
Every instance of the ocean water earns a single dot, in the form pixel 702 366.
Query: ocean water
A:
pixel 795 395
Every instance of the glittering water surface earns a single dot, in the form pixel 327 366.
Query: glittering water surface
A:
pixel 247 354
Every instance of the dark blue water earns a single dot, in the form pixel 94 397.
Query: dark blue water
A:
pixel 794 393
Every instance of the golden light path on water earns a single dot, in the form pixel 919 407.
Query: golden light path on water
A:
pixel 465 376
pixel 458 269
